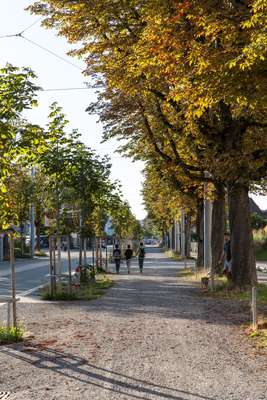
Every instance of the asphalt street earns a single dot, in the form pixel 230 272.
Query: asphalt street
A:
pixel 31 274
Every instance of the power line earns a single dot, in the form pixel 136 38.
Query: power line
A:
pixel 49 51
pixel 31 25
pixel 24 30
pixel 20 35
pixel 8 36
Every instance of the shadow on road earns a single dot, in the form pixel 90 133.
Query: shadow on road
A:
pixel 80 370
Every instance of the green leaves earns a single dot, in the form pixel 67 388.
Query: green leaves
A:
pixel 17 93
pixel 70 177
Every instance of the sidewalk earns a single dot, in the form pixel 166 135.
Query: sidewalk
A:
pixel 149 338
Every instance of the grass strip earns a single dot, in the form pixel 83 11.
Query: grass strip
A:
pixel 90 291
pixel 11 335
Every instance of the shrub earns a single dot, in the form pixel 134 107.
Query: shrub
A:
pixel 89 290
pixel 10 335
pixel 60 295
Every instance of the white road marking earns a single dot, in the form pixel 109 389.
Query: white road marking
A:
pixel 26 293
pixel 23 294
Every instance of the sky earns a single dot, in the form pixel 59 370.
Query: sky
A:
pixel 54 73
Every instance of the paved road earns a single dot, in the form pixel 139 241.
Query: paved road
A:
pixel 30 274
pixel 151 337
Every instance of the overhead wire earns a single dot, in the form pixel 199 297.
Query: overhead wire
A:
pixel 22 36
pixel 7 36
pixel 50 52
pixel 24 30
pixel 30 26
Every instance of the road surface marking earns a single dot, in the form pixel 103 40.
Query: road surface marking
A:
pixel 23 294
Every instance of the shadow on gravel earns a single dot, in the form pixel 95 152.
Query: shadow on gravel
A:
pixel 80 370
pixel 167 299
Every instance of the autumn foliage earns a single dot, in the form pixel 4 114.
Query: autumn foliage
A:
pixel 183 82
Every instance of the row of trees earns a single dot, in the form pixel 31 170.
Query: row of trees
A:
pixel 183 82
pixel 53 170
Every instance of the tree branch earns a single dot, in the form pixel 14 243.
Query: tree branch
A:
pixel 177 162
pixel 151 136
pixel 165 121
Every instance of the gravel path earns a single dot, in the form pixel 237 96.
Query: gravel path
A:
pixel 149 337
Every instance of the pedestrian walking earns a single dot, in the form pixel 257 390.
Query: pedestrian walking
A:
pixel 226 257
pixel 117 258
pixel 128 257
pixel 141 257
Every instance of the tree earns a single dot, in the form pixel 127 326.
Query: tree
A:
pixel 19 196
pixel 194 69
pixel 165 202
pixel 17 93
pixel 89 179
pixel 151 229
pixel 42 200
pixel 124 223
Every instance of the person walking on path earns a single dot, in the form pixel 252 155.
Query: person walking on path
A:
pixel 141 257
pixel 226 257
pixel 128 257
pixel 117 258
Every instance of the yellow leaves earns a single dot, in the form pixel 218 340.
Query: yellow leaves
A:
pixel 242 101
pixel 195 56
pixel 258 17
pixel 254 52
pixel 34 103
pixel 232 63
pixel 3 188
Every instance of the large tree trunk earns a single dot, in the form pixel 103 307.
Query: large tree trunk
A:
pixel 243 257
pixel 200 234
pixel 218 227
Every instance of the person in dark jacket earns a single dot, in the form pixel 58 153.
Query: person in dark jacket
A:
pixel 226 257
pixel 141 257
pixel 128 257
pixel 117 258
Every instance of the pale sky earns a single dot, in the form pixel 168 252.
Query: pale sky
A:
pixel 54 73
